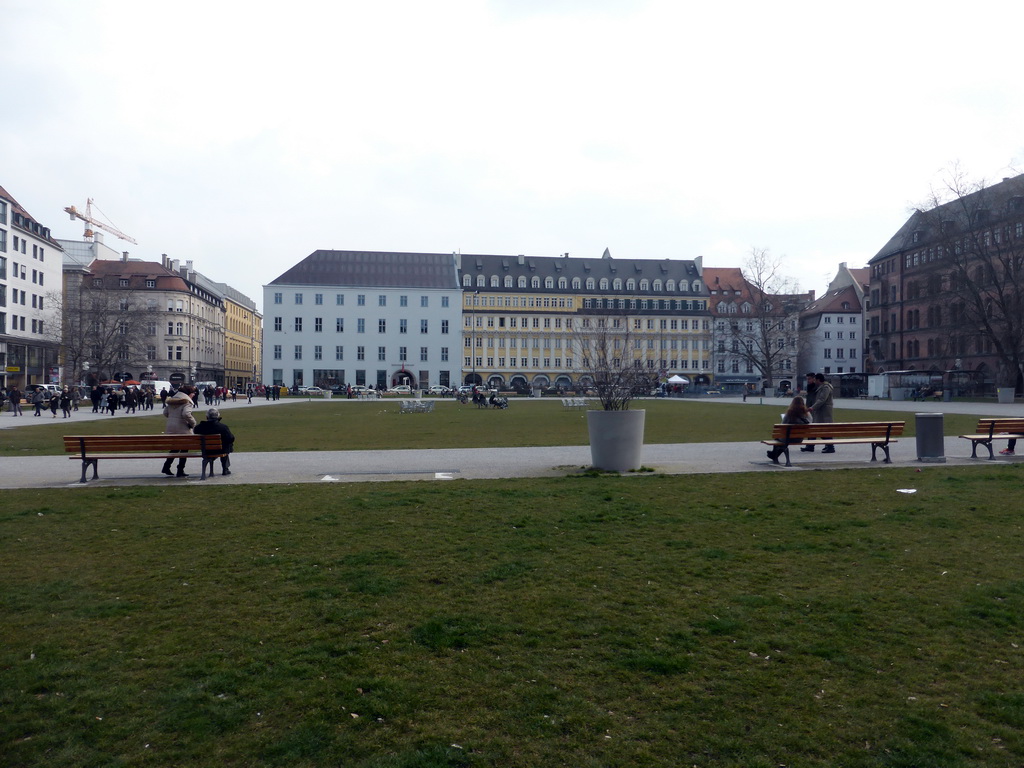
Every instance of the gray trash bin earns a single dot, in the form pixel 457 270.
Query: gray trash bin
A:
pixel 930 440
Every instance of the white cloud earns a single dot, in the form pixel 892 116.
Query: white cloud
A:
pixel 246 135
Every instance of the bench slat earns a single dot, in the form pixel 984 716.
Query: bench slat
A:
pixel 89 449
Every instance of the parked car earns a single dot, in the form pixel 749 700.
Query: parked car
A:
pixel 312 391
pixel 401 389
pixel 439 389
pixel 360 390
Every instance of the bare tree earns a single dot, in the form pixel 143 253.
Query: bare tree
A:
pixel 105 328
pixel 974 245
pixel 763 333
pixel 612 356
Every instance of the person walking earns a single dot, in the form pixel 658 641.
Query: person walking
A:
pixel 822 408
pixel 14 395
pixel 54 403
pixel 180 421
pixel 38 401
pixel 66 402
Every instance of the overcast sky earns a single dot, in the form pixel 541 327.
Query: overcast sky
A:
pixel 246 135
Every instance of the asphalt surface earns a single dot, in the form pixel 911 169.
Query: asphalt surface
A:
pixel 478 463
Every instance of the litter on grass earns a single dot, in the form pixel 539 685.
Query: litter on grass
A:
pixel 906 490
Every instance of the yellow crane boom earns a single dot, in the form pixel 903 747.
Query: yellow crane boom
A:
pixel 87 217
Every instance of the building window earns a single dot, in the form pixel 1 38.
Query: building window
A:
pixel 318 298
pixel 298 298
pixel 423 326
pixel 423 354
pixel 403 326
pixel 360 353
pixel 151 283
pixel 278 298
pixel 318 352
pixel 339 324
pixel 298 351
pixel 361 299
pixel 444 354
pixel 318 324
pixel 298 324
pixel 339 353
pixel 382 326
pixel 382 353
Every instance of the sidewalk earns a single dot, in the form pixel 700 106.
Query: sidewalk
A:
pixel 482 463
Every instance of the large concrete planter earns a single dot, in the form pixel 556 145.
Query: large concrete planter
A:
pixel 616 439
pixel 1004 394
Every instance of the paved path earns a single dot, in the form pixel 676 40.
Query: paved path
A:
pixel 478 463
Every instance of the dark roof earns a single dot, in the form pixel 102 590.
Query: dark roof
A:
pixel 1000 200
pixel 373 269
pixel 27 223
pixel 137 272
pixel 583 268
pixel 833 302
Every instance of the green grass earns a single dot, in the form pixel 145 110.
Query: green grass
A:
pixel 339 426
pixel 595 621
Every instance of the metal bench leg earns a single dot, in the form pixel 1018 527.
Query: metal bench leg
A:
pixel 85 465
pixel 874 447
pixel 785 449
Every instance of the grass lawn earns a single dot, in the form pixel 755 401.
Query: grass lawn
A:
pixel 339 425
pixel 811 619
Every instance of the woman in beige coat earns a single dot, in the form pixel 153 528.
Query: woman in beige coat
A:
pixel 178 411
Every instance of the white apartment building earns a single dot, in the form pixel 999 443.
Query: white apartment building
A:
pixel 362 317
pixel 30 286
pixel 832 339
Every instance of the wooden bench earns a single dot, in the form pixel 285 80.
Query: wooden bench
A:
pixel 91 448
pixel 994 429
pixel 877 434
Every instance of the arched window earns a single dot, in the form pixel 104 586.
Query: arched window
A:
pixel 604 283
pixel 631 285
pixel 657 285
pixel 644 285
pixel 522 281
pixel 481 281
pixel 696 286
pixel 617 284
pixel 746 308
pixel 722 308
pixel 549 282
pixel 670 285
pixel 508 281
pixel 590 283
pixel 684 286
pixel 576 283
pixel 535 282
pixel 494 281
pixel 467 281
pixel 563 283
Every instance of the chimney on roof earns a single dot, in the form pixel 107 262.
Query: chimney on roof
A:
pixel 163 260
pixel 124 255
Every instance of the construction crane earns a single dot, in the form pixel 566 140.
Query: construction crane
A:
pixel 88 219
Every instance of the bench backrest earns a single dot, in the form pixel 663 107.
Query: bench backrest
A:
pixel 995 426
pixel 853 429
pixel 84 444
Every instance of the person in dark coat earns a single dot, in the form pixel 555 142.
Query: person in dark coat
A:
pixel 214 426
